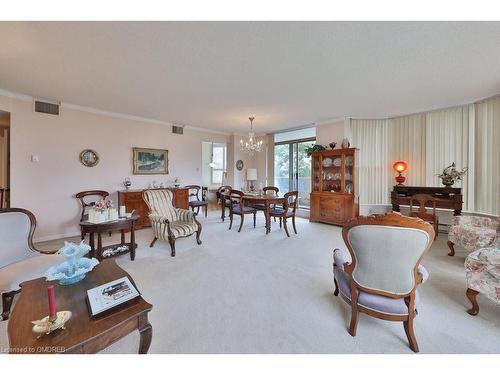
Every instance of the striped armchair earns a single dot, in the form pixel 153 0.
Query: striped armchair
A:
pixel 167 221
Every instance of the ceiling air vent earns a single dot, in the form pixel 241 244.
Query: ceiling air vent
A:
pixel 47 107
pixel 176 129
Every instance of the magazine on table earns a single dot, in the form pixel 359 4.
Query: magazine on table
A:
pixel 110 295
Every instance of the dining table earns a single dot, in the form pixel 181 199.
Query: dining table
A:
pixel 268 199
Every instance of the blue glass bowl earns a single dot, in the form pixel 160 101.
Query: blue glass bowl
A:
pixel 70 272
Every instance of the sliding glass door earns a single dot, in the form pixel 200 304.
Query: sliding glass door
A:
pixel 292 168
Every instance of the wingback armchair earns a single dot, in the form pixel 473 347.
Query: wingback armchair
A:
pixel 19 259
pixel 167 221
pixel 382 277
pixel 473 232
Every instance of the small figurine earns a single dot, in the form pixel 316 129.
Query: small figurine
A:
pixel 127 183
pixel 46 325
pixel 332 145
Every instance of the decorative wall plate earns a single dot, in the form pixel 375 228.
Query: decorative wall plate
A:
pixel 337 162
pixel 239 165
pixel 348 161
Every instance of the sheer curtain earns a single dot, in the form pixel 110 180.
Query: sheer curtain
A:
pixel 408 142
pixel 487 157
pixel 447 135
pixel 371 137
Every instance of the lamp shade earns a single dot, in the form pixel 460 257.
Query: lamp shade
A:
pixel 251 174
pixel 400 166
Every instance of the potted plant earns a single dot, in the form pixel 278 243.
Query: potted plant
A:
pixel 450 175
pixel 314 148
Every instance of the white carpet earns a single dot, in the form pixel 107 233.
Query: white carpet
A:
pixel 251 293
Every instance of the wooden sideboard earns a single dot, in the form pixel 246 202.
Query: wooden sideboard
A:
pixel 446 197
pixel 132 199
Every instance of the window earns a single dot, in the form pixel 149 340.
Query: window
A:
pixel 292 166
pixel 218 163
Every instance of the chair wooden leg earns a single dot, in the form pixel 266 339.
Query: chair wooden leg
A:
pixel 293 222
pixel 198 234
pixel 280 222
pixel 7 299
pixel 471 295
pixel 171 241
pixel 286 228
pixel 354 320
pixel 82 235
pixel 452 249
pixel 230 221
pixel 206 210
pixel 241 222
pixel 254 214
pixel 153 242
pixel 436 228
pixel 410 334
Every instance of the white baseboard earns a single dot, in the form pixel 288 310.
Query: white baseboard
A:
pixel 56 236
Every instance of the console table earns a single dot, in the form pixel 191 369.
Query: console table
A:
pixel 132 199
pixel 446 197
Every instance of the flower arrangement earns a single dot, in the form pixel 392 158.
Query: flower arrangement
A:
pixel 103 204
pixel 450 175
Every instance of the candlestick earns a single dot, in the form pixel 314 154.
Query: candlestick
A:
pixel 52 303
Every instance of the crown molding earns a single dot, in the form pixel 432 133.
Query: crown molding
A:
pixel 125 116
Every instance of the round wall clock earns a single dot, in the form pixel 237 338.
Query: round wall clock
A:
pixel 89 158
pixel 239 165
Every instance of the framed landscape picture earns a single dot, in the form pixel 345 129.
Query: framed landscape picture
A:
pixel 150 161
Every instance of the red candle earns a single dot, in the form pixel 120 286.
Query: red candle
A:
pixel 52 301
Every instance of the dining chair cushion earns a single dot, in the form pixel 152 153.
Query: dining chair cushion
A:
pixel 31 268
pixel 374 302
pixel 259 206
pixel 280 211
pixel 198 203
pixel 246 209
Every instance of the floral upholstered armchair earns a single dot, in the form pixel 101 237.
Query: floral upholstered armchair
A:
pixel 167 221
pixel 472 232
pixel 482 268
pixel 382 278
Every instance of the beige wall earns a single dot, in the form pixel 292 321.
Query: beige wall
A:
pixel 47 187
pixel 333 131
pixel 237 179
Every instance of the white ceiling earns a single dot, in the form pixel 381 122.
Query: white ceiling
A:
pixel 287 74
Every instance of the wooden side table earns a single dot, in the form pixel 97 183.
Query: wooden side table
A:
pixel 122 225
pixel 83 334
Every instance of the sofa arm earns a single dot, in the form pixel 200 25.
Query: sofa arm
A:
pixel 186 216
pixel 338 259
pixel 422 271
pixel 158 219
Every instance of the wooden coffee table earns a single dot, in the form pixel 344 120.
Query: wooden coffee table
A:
pixel 83 334
pixel 123 225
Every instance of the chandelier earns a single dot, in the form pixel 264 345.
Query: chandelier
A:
pixel 251 146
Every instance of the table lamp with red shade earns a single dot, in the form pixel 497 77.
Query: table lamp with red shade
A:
pixel 400 167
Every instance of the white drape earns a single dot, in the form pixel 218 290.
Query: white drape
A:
pixel 428 142
pixel 487 157
pixel 408 143
pixel 371 137
pixel 447 134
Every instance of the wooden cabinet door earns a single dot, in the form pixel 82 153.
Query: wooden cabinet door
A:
pixel 331 208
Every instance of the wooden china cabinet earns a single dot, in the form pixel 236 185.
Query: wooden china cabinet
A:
pixel 334 190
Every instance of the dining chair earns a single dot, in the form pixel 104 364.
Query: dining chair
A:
pixel 237 207
pixel 382 277
pixel 194 192
pixel 222 200
pixel 261 206
pixel 422 200
pixel 287 211
pixel 81 196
